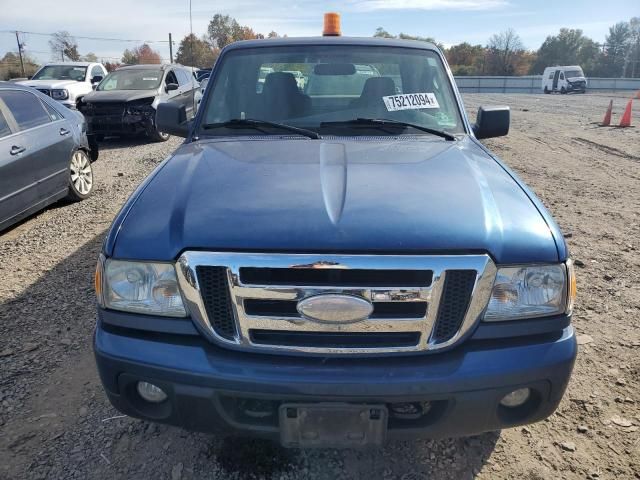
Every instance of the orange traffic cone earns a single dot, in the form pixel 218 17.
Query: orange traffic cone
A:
pixel 626 117
pixel 607 116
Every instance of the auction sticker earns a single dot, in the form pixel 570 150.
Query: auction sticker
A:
pixel 410 101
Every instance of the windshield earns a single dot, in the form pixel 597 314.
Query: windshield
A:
pixel 133 79
pixel 573 73
pixel 61 72
pixel 314 87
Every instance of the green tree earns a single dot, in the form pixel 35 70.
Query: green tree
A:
pixel 223 30
pixel 617 45
pixel 382 33
pixel 10 66
pixel 63 45
pixel 196 52
pixel 633 55
pixel 568 47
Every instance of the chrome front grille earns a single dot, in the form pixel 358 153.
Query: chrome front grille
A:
pixel 420 302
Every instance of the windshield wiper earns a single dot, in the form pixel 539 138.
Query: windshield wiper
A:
pixel 386 122
pixel 258 124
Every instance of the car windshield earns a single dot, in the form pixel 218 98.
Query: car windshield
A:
pixel 574 73
pixel 133 79
pixel 61 72
pixel 338 88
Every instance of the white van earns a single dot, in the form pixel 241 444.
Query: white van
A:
pixel 564 79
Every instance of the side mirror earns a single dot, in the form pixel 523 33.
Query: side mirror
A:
pixel 94 86
pixel 96 79
pixel 172 118
pixel 170 87
pixel 492 122
pixel 29 77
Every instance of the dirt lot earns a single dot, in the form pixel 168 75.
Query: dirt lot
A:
pixel 56 423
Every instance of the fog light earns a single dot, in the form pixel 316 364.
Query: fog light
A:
pixel 516 398
pixel 150 392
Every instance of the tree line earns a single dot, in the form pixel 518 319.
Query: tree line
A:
pixel 503 54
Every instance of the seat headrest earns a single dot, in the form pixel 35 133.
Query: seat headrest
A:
pixel 378 87
pixel 280 82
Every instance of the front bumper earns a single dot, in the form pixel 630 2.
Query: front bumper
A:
pixel 208 387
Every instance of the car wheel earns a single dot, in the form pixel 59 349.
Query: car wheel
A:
pixel 80 177
pixel 159 136
pixel 563 90
pixel 546 90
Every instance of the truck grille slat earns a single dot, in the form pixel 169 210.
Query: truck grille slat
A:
pixel 420 303
pixel 217 301
pixel 333 276
pixel 458 286
pixel 287 308
pixel 335 340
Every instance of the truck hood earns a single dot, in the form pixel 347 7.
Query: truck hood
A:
pixel 118 96
pixel 54 84
pixel 413 195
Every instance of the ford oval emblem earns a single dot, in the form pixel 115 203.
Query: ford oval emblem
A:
pixel 335 308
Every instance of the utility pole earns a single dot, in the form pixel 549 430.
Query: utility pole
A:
pixel 170 50
pixel 20 53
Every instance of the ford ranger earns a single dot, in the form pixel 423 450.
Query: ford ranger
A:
pixel 334 269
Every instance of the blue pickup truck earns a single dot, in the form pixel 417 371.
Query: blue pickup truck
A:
pixel 336 268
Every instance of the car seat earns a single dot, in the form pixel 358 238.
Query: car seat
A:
pixel 282 99
pixel 374 89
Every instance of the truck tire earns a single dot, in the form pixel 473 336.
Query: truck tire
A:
pixel 80 176
pixel 159 136
pixel 563 90
pixel 546 90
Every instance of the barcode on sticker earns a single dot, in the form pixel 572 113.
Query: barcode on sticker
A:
pixel 410 101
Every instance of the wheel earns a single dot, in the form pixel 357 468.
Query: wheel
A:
pixel 80 177
pixel 546 90
pixel 563 90
pixel 159 136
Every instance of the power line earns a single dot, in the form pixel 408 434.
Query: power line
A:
pixel 86 38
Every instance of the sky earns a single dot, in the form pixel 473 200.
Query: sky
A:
pixel 448 21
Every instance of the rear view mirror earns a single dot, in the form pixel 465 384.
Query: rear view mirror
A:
pixel 335 69
pixel 172 118
pixel 96 79
pixel 170 87
pixel 492 122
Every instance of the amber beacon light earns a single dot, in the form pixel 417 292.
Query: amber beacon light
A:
pixel 331 25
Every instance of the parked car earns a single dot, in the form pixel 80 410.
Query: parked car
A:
pixel 125 102
pixel 203 73
pixel 331 271
pixel 67 82
pixel 44 153
pixel 300 78
pixel 564 79
pixel 203 84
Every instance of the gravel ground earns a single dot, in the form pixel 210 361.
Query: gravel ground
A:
pixel 56 423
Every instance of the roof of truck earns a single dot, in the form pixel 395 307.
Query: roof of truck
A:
pixel 364 41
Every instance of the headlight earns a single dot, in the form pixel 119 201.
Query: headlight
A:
pixel 60 94
pixel 530 291
pixel 139 287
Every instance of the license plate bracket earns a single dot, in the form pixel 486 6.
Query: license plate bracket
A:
pixel 332 425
